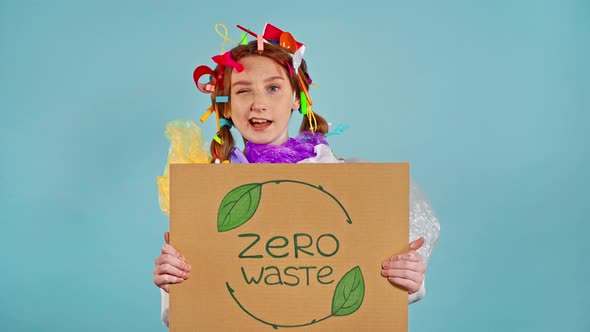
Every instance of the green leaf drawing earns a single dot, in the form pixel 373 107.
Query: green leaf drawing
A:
pixel 348 297
pixel 349 293
pixel 238 206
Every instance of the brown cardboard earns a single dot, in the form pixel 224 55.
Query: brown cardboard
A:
pixel 374 197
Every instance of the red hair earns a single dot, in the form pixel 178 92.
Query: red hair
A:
pixel 281 56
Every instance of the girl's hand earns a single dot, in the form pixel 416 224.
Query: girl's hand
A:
pixel 170 267
pixel 406 270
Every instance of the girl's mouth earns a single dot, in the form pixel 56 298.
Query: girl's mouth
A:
pixel 259 124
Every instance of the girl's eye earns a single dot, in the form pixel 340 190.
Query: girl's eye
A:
pixel 241 91
pixel 273 88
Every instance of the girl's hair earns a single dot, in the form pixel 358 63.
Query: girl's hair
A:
pixel 281 56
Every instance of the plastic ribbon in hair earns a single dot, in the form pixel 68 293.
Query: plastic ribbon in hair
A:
pixel 223 122
pixel 338 131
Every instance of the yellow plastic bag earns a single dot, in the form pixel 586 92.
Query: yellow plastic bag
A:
pixel 186 147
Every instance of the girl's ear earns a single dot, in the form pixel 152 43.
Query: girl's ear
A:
pixel 296 103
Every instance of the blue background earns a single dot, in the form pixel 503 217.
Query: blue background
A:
pixel 488 101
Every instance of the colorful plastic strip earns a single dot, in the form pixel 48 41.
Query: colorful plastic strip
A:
pixel 290 68
pixel 303 101
pixel 338 131
pixel 217 117
pixel 224 36
pixel 244 40
pixel 260 41
pixel 313 123
pixel 199 72
pixel 223 122
pixel 247 31
pixel 207 114
pixel 304 89
pixel 225 59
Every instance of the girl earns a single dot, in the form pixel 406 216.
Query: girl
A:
pixel 264 88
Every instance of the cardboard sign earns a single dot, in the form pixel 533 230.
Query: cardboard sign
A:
pixel 290 246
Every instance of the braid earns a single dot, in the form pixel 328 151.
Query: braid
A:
pixel 222 151
pixel 322 124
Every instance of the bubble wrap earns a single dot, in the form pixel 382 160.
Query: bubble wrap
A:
pixel 423 221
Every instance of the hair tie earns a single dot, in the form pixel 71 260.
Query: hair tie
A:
pixel 225 122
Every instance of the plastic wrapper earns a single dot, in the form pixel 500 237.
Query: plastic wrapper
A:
pixel 186 147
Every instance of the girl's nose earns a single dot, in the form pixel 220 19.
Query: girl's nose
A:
pixel 259 103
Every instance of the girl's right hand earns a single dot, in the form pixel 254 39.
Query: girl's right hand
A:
pixel 171 267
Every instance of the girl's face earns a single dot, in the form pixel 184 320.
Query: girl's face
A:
pixel 262 101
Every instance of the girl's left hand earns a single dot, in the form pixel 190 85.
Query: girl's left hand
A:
pixel 406 270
